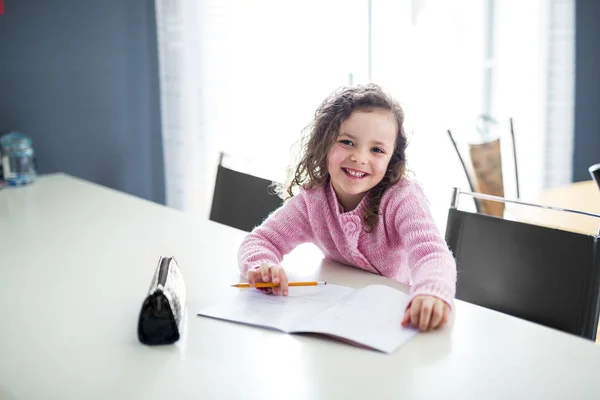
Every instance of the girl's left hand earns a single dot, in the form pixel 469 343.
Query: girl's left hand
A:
pixel 426 313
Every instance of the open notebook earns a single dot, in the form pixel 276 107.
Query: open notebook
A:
pixel 370 316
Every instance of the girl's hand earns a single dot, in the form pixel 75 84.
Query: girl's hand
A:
pixel 269 273
pixel 426 313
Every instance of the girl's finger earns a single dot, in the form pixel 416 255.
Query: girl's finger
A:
pixel 415 310
pixel 446 316
pixel 425 317
pixel 283 282
pixel 438 314
pixel 264 271
pixel 274 274
pixel 252 276
pixel 406 318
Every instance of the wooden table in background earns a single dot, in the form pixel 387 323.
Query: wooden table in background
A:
pixel 582 196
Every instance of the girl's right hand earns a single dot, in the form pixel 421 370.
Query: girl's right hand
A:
pixel 269 273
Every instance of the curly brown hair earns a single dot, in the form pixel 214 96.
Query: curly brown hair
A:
pixel 321 134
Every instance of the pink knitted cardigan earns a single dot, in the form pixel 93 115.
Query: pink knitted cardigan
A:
pixel 405 245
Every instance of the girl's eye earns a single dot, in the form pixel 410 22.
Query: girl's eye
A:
pixel 346 142
pixel 377 150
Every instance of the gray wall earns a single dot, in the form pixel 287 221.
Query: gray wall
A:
pixel 587 88
pixel 81 77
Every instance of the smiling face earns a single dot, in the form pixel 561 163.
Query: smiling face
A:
pixel 359 158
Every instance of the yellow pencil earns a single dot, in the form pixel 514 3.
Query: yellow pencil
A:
pixel 272 285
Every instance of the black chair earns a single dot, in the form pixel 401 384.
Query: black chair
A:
pixel 543 275
pixel 595 173
pixel 241 200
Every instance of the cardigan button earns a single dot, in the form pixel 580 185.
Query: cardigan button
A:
pixel 350 227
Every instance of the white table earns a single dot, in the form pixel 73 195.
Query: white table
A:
pixel 76 261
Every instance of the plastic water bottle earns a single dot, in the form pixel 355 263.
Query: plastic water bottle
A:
pixel 18 159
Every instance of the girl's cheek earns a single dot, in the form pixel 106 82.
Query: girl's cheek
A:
pixel 336 154
pixel 381 165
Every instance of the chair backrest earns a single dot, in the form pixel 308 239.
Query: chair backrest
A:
pixel 548 276
pixel 595 173
pixel 241 200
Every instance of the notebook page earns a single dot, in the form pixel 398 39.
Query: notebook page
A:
pixel 370 316
pixel 249 306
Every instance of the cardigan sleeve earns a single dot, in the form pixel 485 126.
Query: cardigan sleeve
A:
pixel 432 266
pixel 279 234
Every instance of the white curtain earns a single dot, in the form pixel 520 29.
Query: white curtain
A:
pixel 433 55
pixel 182 85
pixel 430 55
pixel 558 164
pixel 245 76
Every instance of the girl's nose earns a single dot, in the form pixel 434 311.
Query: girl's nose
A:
pixel 358 157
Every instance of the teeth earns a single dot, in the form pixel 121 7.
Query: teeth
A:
pixel 355 174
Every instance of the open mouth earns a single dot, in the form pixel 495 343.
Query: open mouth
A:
pixel 352 173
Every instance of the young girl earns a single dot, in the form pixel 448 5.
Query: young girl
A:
pixel 356 204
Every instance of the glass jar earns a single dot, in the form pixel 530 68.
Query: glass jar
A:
pixel 18 159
